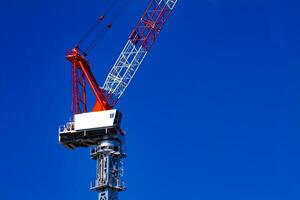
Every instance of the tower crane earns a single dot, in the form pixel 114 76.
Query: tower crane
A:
pixel 100 128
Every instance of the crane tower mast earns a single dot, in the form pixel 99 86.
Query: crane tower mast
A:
pixel 101 128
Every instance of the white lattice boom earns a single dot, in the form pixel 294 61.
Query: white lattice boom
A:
pixel 124 69
pixel 135 50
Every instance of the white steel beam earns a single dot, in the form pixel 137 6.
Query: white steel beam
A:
pixel 124 69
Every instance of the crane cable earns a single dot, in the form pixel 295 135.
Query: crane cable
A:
pixel 102 32
pixel 99 20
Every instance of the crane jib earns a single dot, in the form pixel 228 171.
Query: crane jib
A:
pixel 140 42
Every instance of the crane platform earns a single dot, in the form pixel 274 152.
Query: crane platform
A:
pixel 88 129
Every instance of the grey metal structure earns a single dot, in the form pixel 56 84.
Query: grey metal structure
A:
pixel 109 155
pixel 107 149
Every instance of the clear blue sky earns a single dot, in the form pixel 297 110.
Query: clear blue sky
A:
pixel 212 114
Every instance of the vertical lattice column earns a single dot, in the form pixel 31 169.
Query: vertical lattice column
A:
pixel 109 155
pixel 108 195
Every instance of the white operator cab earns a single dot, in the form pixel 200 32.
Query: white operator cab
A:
pixel 88 129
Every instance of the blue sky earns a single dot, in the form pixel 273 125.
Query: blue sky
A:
pixel 212 114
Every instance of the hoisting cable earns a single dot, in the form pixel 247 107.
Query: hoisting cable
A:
pixel 91 29
pixel 102 33
pixel 99 20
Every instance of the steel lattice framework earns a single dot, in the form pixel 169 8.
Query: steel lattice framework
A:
pixel 101 128
pixel 135 50
pixel 109 154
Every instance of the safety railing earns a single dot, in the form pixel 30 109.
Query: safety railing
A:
pixel 69 127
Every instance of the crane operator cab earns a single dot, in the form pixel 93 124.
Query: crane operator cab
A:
pixel 87 129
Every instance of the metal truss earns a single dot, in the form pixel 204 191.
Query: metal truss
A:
pixel 109 155
pixel 123 71
pixel 135 50
pixel 170 3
